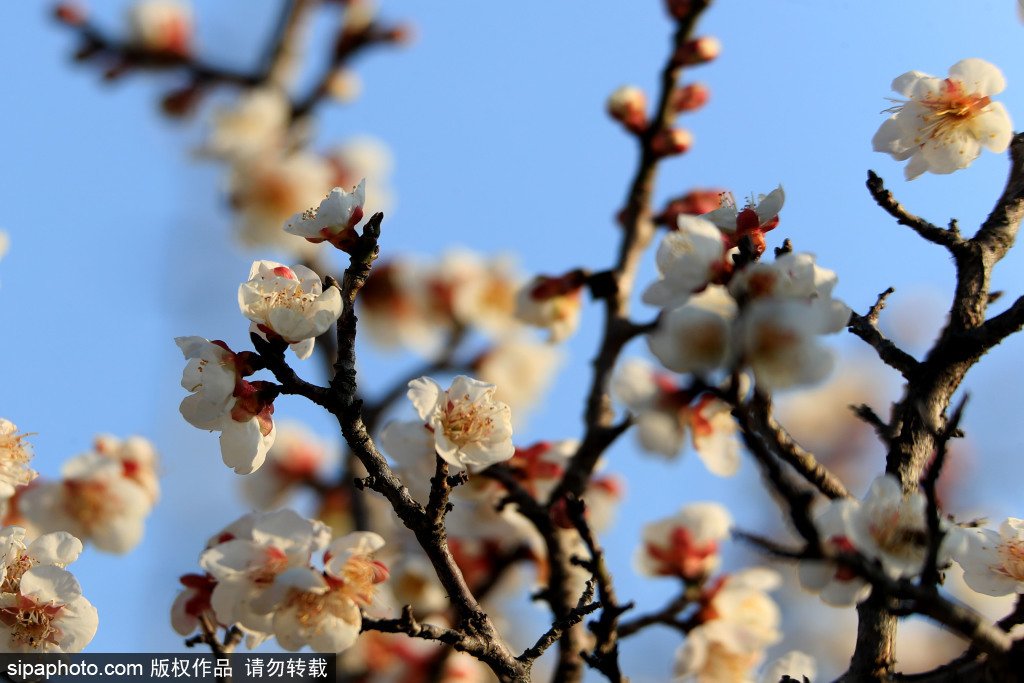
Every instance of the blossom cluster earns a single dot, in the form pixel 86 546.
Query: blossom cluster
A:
pixel 763 316
pixel 734 620
pixel 259 574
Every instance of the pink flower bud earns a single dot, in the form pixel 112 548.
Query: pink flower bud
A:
pixel 671 142
pixel 698 51
pixel 628 106
pixel 690 97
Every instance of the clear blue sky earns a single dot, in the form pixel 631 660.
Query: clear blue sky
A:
pixel 120 240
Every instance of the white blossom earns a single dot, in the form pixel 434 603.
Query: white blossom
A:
pixel 47 613
pixel 94 501
pixel 697 336
pixel 993 561
pixel 15 454
pixel 289 303
pixel 778 340
pixel 471 429
pixel 944 122
pixel 687 261
pixel 257 121
pixel 838 585
pixel 334 220
pixel 138 458
pixel 684 545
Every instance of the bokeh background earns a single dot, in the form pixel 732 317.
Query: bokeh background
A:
pixel 121 239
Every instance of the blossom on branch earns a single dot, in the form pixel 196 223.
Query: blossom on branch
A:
pixel 685 545
pixel 944 122
pixel 993 561
pixel 334 220
pixel 44 612
pixel 688 258
pixel 221 400
pixel 161 27
pixel 471 429
pixel 664 413
pixel 752 221
pixel 289 304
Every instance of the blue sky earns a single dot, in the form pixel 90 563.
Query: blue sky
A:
pixel 120 238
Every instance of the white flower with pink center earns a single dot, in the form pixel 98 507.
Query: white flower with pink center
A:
pixel 334 220
pixel 246 567
pixel 15 454
pixel 685 545
pixel 472 430
pixel 93 501
pixel 288 303
pixel 46 614
pixel 944 122
pixel 993 561
pixel 687 259
pixel 161 26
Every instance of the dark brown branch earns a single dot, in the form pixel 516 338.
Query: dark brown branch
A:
pixel 931 232
pixel 583 607
pixel 790 452
pixel 866 327
pixel 930 575
pixel 408 624
pixel 666 616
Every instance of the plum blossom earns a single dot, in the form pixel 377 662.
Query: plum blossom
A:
pixel 778 339
pixel 46 613
pixel 258 120
pixel 250 557
pixel 138 459
pixel 267 188
pixel 738 621
pixel 41 604
pixel 471 429
pixel 161 26
pixel 334 220
pixel 688 259
pixel 193 603
pixel 665 413
pixel 944 122
pixel 993 561
pixel 15 453
pixel 221 400
pixel 552 304
pixel 322 609
pixel 838 585
pixel 697 336
pixel 288 303
pixel 686 544
pixel 94 501
pixel 753 220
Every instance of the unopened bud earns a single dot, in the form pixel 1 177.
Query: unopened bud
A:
pixel 628 106
pixel 181 102
pixel 401 34
pixel 670 142
pixel 690 97
pixel 344 85
pixel 693 203
pixel 698 51
pixel 69 14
